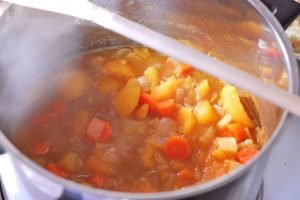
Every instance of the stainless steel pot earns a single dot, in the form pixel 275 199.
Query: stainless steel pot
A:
pixel 238 32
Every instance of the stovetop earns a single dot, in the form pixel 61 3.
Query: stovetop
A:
pixel 282 175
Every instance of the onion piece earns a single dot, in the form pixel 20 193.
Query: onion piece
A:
pixel 157 141
pixel 248 144
pixel 130 126
pixel 145 85
pixel 166 127
pixel 220 110
pixel 224 121
pixel 122 52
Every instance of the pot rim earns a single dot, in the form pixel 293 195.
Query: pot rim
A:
pixel 293 78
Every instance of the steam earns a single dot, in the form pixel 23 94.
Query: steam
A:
pixel 31 43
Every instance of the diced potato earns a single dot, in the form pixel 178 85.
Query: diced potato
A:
pixel 205 113
pixel 166 89
pixel 148 157
pixel 202 90
pixel 219 154
pixel 108 84
pixel 137 62
pixel 224 121
pixel 127 99
pixel 95 164
pixel 152 76
pixel 71 162
pixel 143 53
pixel 186 119
pixel 74 84
pixel 226 144
pixel 232 104
pixel 141 112
pixel 140 58
pixel 120 68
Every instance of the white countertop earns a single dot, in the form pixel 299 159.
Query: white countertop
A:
pixel 282 176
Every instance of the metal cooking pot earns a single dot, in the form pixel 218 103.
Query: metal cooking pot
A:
pixel 242 33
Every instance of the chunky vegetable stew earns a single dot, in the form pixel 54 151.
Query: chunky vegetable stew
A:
pixel 131 119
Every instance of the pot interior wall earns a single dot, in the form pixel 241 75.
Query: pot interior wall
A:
pixel 33 41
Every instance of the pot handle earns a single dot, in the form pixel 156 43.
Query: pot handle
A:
pixel 284 10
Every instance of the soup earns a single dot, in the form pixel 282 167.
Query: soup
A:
pixel 131 119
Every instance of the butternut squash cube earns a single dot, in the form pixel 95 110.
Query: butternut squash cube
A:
pixel 108 84
pixel 74 84
pixel 186 119
pixel 152 76
pixel 205 113
pixel 166 89
pixel 120 68
pixel 128 98
pixel 142 52
pixel 141 112
pixel 71 162
pixel 232 104
pixel 219 154
pixel 202 89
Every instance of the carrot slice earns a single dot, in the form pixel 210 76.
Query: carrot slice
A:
pixel 238 131
pixel 96 181
pixel 234 130
pixel 40 148
pixel 166 108
pixel 244 155
pixel 98 130
pixel 177 148
pixel 147 99
pixel 55 169
pixel 185 176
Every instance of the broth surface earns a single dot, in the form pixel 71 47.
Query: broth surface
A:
pixel 131 119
